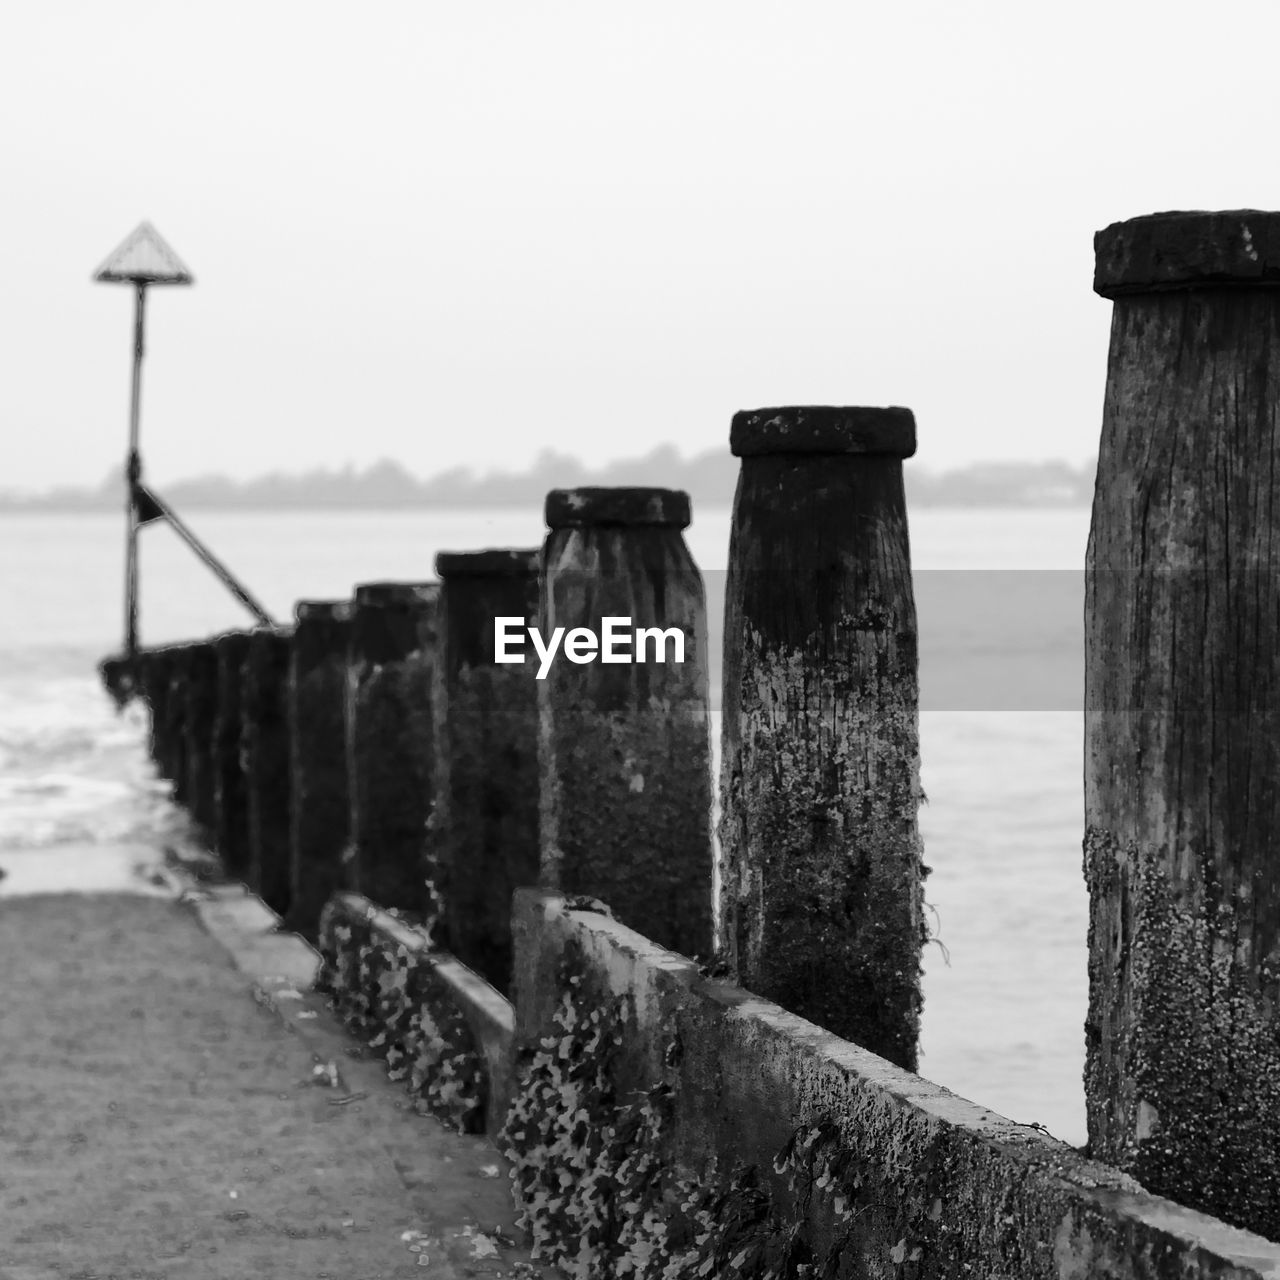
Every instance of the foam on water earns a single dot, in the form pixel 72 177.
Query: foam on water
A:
pixel 81 807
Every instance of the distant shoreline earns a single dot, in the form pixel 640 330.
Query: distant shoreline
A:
pixel 709 479
pixel 427 508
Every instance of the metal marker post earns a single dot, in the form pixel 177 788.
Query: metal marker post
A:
pixel 133 474
pixel 143 258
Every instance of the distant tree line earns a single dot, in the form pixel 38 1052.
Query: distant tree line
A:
pixel 709 478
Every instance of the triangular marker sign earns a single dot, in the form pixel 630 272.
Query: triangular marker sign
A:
pixel 144 257
pixel 145 506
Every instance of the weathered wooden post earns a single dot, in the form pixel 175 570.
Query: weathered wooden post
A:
pixel 821 872
pixel 231 812
pixel 174 726
pixel 624 721
pixel 320 819
pixel 265 744
pixel 201 671
pixel 121 676
pixel 1182 716
pixel 486 745
pixel 390 670
pixel 156 666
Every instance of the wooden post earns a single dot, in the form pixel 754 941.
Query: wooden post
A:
pixel 155 671
pixel 821 874
pixel 201 672
pixel 174 728
pixel 626 775
pixel 265 744
pixel 486 743
pixel 120 677
pixel 320 821
pixel 389 743
pixel 1182 716
pixel 231 813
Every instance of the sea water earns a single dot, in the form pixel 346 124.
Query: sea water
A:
pixel 1001 737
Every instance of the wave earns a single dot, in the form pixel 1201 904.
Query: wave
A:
pixel 73 770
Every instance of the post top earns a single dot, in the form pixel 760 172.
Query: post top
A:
pixel 828 429
pixel 1187 250
pixel 173 649
pixel 381 595
pixel 231 640
pixel 322 610
pixel 265 634
pixel 495 562
pixel 593 507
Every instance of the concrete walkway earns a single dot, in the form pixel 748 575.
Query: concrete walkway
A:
pixel 173 1103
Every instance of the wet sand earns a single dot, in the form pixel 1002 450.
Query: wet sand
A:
pixel 84 868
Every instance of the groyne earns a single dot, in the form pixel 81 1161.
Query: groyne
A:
pixel 750 1108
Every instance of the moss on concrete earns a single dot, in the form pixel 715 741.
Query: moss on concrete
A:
pixel 643 1085
pixel 389 995
pixel 602 1195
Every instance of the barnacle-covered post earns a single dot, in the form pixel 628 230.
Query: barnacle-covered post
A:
pixel 231 813
pixel 625 725
pixel 320 817
pixel 265 745
pixel 390 668
pixel 1182 716
pixel 486 745
pixel 201 671
pixel 822 898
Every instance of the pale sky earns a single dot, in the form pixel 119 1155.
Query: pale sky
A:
pixel 460 234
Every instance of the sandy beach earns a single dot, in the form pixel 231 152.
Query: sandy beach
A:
pixel 156 1121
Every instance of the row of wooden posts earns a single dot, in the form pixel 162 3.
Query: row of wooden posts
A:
pixel 378 745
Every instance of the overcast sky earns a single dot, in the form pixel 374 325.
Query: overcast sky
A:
pixel 460 234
